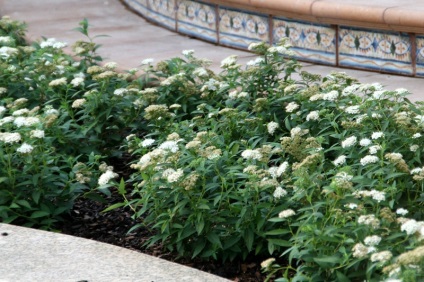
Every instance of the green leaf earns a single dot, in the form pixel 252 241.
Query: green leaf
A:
pixel 248 239
pixel 114 206
pixel 121 187
pixel 36 196
pixel 38 214
pixel 198 247
pixel 24 203
pixel 341 277
pixel 280 242
pixel 278 232
pixel 214 239
pixel 327 261
pixel 199 226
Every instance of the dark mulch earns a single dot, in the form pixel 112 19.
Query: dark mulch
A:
pixel 87 220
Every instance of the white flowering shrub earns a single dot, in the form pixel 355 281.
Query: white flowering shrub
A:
pixel 325 171
pixel 322 174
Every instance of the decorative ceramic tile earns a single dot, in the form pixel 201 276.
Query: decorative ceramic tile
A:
pixel 161 12
pixel 420 55
pixel 197 19
pixel 311 42
pixel 376 50
pixel 239 29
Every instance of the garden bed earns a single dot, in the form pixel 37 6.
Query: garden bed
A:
pixel 319 178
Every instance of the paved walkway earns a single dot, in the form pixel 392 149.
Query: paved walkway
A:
pixel 132 39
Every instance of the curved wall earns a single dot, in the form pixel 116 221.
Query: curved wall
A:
pixel 352 34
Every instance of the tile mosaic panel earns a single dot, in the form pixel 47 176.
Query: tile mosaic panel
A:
pixel 161 12
pixel 376 50
pixel 239 29
pixel 197 19
pixel 420 55
pixel 311 42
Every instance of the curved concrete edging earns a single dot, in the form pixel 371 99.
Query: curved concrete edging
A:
pixel 384 36
pixel 35 255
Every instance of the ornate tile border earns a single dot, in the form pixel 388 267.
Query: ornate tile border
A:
pixel 311 42
pixel 161 12
pixel 419 39
pixel 197 19
pixel 240 28
pixel 376 50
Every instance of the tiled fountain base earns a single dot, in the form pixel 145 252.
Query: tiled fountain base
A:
pixel 234 25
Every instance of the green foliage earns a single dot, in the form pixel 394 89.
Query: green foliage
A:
pixel 266 159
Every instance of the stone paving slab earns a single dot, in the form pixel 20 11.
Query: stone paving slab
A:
pixel 29 255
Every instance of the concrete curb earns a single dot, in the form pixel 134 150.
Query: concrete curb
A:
pixel 35 255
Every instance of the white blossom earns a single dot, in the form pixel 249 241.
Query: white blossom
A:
pixel 383 257
pixel 410 227
pixel 286 213
pixel 77 81
pixel 314 115
pixel 331 96
pixel 120 91
pixel 349 142
pixel 171 146
pixel 272 126
pixel 251 154
pixel 374 149
pixel 25 148
pixel 37 133
pixel 352 109
pixel 416 135
pixel 414 147
pixel 106 177
pixel 147 61
pixel 401 211
pixel 372 240
pixel 279 192
pixel 147 142
pixel 291 107
pixel 78 103
pixel 369 159
pixel 377 135
pixel 365 142
pixel 229 61
pixel 341 160
pixel 8 137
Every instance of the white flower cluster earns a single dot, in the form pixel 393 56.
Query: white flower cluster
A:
pixel 314 115
pixel 349 142
pixel 52 42
pixel 172 175
pixel 365 142
pixel 256 62
pixel 279 192
pixel 25 149
pixel 331 96
pixel 107 176
pixel 58 82
pixel 171 146
pixel 373 240
pixel 147 142
pixel 411 226
pixel 374 149
pixel 352 110
pixel 341 160
pixel 291 107
pixel 77 81
pixel 37 133
pixel 78 103
pixel 377 135
pixel 8 137
pixel 229 61
pixel 374 194
pixel 251 154
pixel 369 220
pixel 272 126
pixel 201 72
pixel 286 213
pixel 369 159
pixel 26 121
pixel 278 171
pixel 361 251
pixel 401 211
pixel 148 61
pixel 188 53
pixel 120 91
pixel 382 257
